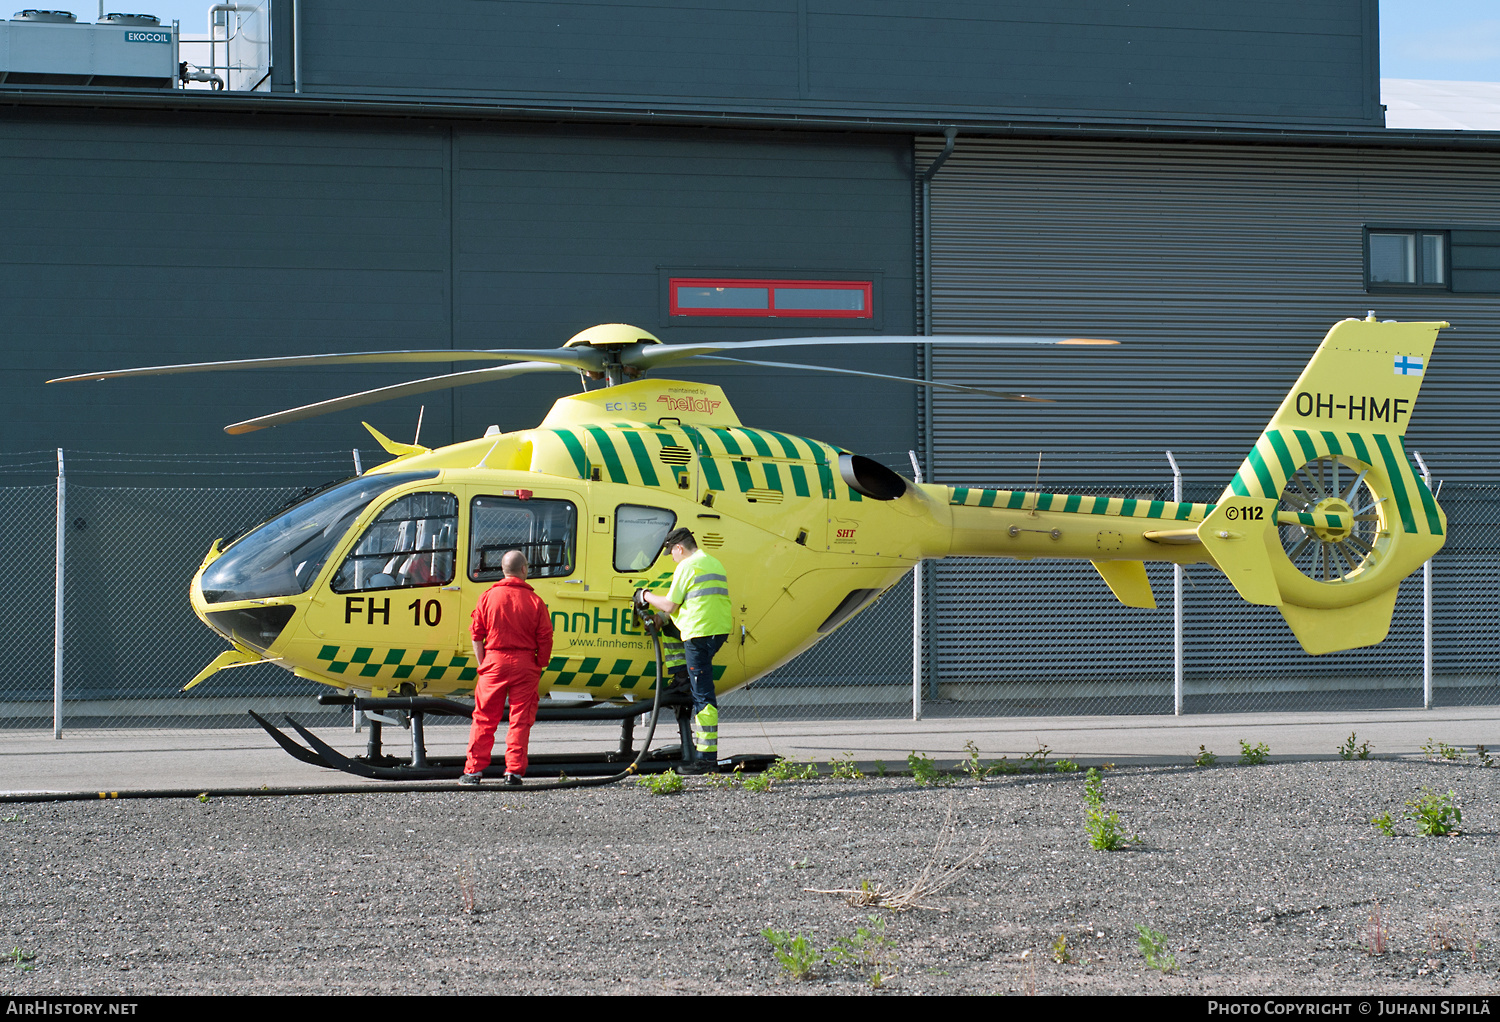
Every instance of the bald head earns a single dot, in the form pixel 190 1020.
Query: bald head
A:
pixel 513 564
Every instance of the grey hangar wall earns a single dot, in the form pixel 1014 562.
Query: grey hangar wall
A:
pixel 1160 61
pixel 157 238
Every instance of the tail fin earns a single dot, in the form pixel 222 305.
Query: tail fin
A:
pixel 1327 499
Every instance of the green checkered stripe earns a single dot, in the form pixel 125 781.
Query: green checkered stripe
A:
pixel 397 664
pixel 591 672
pixel 1072 503
pixel 658 584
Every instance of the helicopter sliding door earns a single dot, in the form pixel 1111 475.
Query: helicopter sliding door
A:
pixel 544 528
pixel 396 601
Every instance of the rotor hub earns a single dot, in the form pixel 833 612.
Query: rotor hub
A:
pixel 611 335
pixel 1334 533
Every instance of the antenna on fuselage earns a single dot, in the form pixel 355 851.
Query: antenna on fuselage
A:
pixel 418 438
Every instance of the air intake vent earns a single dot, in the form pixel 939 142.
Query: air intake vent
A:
pixel 761 495
pixel 711 540
pixel 675 455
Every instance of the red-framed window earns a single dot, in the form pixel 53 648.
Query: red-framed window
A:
pixel 800 299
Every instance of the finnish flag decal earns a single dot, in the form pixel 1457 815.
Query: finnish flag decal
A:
pixel 1408 365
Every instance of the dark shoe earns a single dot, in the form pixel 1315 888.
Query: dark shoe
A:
pixel 512 780
pixel 469 780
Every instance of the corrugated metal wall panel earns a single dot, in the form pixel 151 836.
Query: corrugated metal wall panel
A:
pixel 1220 268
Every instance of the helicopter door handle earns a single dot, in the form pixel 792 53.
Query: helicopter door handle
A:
pixel 451 589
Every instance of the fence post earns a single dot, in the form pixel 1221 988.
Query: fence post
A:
pixel 1426 605
pixel 57 605
pixel 1176 603
pixel 916 616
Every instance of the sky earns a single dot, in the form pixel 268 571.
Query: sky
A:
pixel 1444 40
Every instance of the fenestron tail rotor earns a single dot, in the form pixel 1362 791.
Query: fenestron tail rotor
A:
pixel 1329 486
pixel 612 352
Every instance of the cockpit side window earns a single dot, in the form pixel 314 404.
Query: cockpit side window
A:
pixel 283 556
pixel 544 530
pixel 412 542
pixel 639 532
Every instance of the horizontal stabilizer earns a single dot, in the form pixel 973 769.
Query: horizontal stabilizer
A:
pixel 1238 535
pixel 1128 581
pixel 1328 631
pixel 228 658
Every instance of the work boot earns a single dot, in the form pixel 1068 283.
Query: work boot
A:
pixel 469 780
pixel 512 780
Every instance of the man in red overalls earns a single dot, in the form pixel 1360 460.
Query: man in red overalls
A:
pixel 512 634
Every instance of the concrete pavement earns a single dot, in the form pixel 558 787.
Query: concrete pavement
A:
pixel 114 760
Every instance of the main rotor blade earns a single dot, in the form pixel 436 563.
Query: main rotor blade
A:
pixel 700 359
pixel 576 358
pixel 648 355
pixel 370 397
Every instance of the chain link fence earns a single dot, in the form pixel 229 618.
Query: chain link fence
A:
pixel 998 637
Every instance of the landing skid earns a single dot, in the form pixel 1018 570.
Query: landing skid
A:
pixel 419 766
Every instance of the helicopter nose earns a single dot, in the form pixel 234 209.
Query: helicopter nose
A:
pixel 255 627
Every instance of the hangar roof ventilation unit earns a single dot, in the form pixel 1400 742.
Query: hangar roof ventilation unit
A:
pixel 121 51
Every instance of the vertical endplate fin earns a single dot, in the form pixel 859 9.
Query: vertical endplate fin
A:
pixel 1238 535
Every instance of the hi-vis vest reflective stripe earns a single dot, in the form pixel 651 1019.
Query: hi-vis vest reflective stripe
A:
pixel 706 729
pixel 700 588
pixel 673 654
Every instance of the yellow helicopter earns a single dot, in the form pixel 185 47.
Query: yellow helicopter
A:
pixel 367 586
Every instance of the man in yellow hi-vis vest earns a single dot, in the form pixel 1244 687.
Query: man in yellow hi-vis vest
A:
pixel 698 601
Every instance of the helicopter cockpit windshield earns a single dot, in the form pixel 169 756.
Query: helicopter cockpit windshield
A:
pixel 284 556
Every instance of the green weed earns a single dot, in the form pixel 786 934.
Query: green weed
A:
pixel 12 818
pixel 1153 946
pixel 1253 755
pixel 1482 754
pixel 1065 766
pixel 1204 757
pixel 669 783
pixel 1036 760
pixel 1105 832
pixel 844 769
pixel 1384 824
pixel 1061 954
pixel 787 770
pixel 1351 751
pixel 797 956
pixel 1435 815
pixel 972 766
pixel 880 768
pixel 757 783
pixel 1442 751
pixel 22 959
pixel 925 771
pixel 717 780
pixel 870 951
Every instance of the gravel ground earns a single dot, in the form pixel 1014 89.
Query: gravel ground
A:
pixel 1263 879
